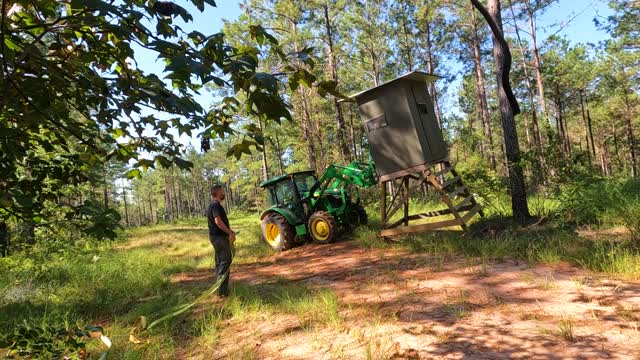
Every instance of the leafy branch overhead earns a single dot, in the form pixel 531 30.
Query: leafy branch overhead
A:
pixel 73 98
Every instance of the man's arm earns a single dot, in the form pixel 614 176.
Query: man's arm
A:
pixel 225 228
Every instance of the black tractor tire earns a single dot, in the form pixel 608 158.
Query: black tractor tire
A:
pixel 360 214
pixel 277 232
pixel 322 227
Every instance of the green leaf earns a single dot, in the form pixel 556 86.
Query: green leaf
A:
pixel 11 45
pixel 199 4
pixel 134 173
pixel 329 87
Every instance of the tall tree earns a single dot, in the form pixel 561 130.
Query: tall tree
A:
pixel 111 109
pixel 481 95
pixel 532 7
pixel 332 12
pixel 530 93
pixel 508 109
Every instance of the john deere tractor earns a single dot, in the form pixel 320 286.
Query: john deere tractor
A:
pixel 302 206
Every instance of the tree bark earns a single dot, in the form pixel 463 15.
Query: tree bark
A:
pixel 481 92
pixel 307 125
pixel 126 206
pixel 590 147
pixel 537 65
pixel 144 211
pixel 152 218
pixel 537 137
pixel 616 152
pixel 279 153
pixel 180 200
pixel 508 109
pixel 4 239
pixel 433 91
pixel 168 207
pixel 265 167
pixel 630 137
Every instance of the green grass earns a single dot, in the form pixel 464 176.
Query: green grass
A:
pixel 555 240
pixel 112 284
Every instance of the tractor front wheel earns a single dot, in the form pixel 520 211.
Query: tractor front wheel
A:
pixel 277 232
pixel 322 227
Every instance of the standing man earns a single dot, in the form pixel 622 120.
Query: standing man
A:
pixel 221 237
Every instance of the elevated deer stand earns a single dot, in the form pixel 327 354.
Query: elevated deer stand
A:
pixel 406 145
pixel 447 184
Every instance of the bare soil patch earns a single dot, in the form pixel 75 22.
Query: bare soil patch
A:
pixel 398 305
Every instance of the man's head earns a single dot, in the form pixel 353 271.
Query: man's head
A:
pixel 217 192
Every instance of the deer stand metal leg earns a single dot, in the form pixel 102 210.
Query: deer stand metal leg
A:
pixel 447 184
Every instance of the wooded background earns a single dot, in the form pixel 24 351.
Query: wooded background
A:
pixel 579 103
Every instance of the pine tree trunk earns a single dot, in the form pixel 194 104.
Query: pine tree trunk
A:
pixel 508 109
pixel 481 92
pixel 616 152
pixel 586 129
pixel 333 69
pixel 167 201
pixel 307 125
pixel 180 202
pixel 279 153
pixel 537 65
pixel 144 211
pixel 126 207
pixel 352 137
pixel 152 218
pixel 265 167
pixel 4 239
pixel 431 69
pixel 307 130
pixel 593 146
pixel 630 136
pixel 534 118
pixel 537 137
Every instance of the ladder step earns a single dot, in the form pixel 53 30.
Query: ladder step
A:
pixel 464 202
pixel 447 183
pixel 470 214
pixel 458 191
pixel 446 169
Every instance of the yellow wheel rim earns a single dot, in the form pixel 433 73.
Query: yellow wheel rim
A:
pixel 320 229
pixel 272 234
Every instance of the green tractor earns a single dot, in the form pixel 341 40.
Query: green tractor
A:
pixel 303 206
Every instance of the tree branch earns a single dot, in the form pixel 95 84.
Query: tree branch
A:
pixel 506 63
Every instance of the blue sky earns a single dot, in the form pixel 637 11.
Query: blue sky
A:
pixel 571 18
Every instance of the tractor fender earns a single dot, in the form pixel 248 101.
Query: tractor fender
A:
pixel 286 213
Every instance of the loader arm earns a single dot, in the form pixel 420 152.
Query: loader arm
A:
pixel 357 173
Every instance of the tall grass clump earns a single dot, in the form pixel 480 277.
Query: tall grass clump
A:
pixel 592 200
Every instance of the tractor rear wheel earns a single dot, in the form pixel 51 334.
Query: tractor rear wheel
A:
pixel 322 227
pixel 277 232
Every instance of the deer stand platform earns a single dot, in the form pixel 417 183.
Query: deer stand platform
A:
pixel 448 186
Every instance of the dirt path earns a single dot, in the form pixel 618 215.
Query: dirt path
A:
pixel 406 306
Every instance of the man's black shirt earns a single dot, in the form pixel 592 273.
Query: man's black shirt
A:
pixel 215 209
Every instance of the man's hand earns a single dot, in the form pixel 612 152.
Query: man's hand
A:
pixel 232 237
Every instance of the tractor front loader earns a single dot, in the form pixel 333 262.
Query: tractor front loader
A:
pixel 303 206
